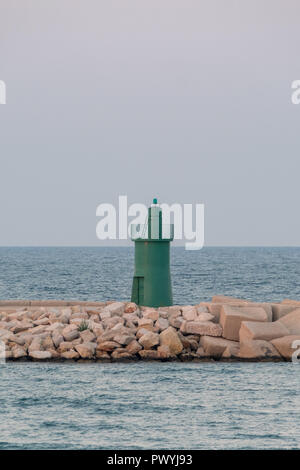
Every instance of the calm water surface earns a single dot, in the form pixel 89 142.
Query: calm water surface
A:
pixel 259 274
pixel 149 405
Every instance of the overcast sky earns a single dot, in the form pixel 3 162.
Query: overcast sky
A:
pixel 189 101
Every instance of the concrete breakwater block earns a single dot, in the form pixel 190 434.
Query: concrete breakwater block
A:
pixel 284 345
pixel 215 347
pixel 280 310
pixel 224 329
pixel 231 319
pixel 252 330
pixel 258 350
pixel 292 322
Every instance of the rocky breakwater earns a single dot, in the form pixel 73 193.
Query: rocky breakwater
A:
pixel 224 329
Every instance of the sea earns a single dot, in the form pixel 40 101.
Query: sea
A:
pixel 148 405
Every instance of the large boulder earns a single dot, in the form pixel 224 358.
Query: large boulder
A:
pixel 78 322
pixel 80 316
pixel 131 317
pixel 163 313
pixel 47 343
pixel 162 324
pixel 292 322
pixel 19 339
pixel 118 329
pixel 201 328
pixel 175 320
pixel 164 352
pixel 65 315
pixel 205 316
pixel 24 338
pixel 6 335
pixel 142 331
pixel 108 346
pixel 121 355
pixel 189 313
pixel 150 313
pixel 231 319
pixel 97 329
pixel 133 347
pixel 22 326
pixel 54 353
pixel 128 329
pixel 87 336
pixel 71 354
pixel 251 330
pixel 115 309
pixel 149 340
pixel 192 341
pixel 40 355
pixel 36 344
pixel 174 310
pixel 184 340
pixel 215 347
pixel 41 321
pixel 258 350
pixel 95 319
pixel 65 346
pixel 70 332
pixel 145 322
pixel 149 354
pixel 64 319
pixel 86 350
pixel 170 338
pixel 113 321
pixel 9 325
pixel 55 326
pixel 284 345
pixel 64 311
pixel 123 339
pixel 131 307
pixel 18 352
pixel 102 355
pixel 104 315
pixel 131 325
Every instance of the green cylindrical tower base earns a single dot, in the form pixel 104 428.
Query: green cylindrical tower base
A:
pixel 152 277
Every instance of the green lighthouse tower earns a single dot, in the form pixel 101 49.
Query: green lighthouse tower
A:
pixel 152 276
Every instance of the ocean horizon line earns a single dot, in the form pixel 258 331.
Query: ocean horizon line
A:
pixel 132 246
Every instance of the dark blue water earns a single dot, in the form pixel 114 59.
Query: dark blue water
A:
pixel 149 405
pixel 261 274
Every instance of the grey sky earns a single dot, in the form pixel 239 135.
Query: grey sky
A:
pixel 189 101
